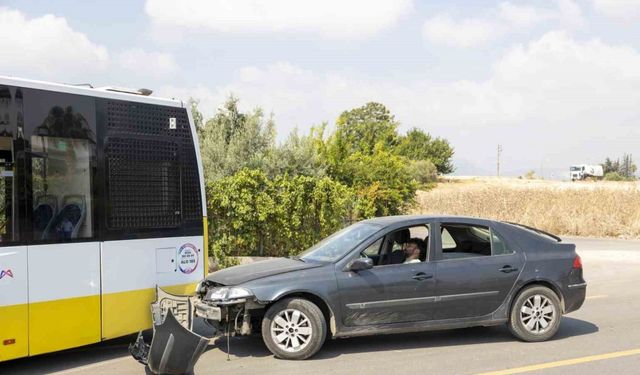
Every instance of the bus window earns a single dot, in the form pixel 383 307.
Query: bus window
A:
pixel 60 129
pixel 8 118
pixel 150 168
pixel 143 184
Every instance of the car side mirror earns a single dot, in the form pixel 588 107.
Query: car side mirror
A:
pixel 360 264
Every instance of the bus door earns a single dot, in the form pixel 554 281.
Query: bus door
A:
pixel 63 250
pixel 14 308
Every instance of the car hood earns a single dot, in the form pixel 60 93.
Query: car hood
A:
pixel 247 272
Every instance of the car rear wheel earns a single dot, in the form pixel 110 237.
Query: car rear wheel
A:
pixel 535 314
pixel 294 328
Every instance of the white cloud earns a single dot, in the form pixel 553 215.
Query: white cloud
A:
pixel 570 14
pixel 523 15
pixel 153 64
pixel 329 18
pixel 625 10
pixel 508 17
pixel 292 93
pixel 250 74
pixel 442 29
pixel 46 46
pixel 556 99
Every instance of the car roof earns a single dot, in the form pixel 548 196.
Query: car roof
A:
pixel 409 220
pixel 400 219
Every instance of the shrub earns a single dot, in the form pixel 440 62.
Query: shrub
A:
pixel 251 215
pixel 423 171
pixel 614 176
pixel 382 182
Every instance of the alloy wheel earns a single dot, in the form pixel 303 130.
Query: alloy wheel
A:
pixel 537 314
pixel 291 330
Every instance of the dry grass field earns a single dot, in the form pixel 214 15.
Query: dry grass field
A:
pixel 592 209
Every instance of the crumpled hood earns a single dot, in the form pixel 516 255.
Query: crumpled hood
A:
pixel 247 272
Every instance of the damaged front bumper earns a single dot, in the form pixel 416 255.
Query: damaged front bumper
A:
pixel 175 348
pixel 206 311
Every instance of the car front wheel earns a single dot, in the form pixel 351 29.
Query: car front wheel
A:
pixel 294 328
pixel 535 314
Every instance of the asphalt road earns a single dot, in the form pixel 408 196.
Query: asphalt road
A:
pixel 602 337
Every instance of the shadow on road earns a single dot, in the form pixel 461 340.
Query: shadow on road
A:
pixel 69 359
pixel 254 347
pixel 572 327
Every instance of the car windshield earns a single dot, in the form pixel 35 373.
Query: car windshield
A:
pixel 338 244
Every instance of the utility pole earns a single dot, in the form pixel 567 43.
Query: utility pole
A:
pixel 498 161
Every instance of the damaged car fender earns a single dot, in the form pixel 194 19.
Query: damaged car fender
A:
pixel 319 284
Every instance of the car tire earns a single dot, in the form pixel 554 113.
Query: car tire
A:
pixel 294 328
pixel 535 314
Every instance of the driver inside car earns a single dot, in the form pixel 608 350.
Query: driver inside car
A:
pixel 412 250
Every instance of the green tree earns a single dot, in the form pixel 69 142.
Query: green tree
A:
pixel 382 181
pixel 610 166
pixel 419 145
pixel 360 130
pixel 233 140
pixel 620 170
pixel 366 153
pixel 274 199
pixel 198 118
pixel 298 155
pixel 627 167
pixel 423 172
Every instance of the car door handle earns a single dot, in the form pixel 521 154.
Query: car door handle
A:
pixel 421 276
pixel 508 269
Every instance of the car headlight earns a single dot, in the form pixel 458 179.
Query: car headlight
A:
pixel 228 293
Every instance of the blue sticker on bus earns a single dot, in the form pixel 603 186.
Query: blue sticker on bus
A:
pixel 187 258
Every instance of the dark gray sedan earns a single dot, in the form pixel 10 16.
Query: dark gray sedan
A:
pixel 400 274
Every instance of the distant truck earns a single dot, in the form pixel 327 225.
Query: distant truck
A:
pixel 586 172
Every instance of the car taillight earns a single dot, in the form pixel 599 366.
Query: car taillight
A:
pixel 577 262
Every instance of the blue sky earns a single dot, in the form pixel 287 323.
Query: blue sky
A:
pixel 555 82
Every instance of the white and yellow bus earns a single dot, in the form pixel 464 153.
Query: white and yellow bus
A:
pixel 101 199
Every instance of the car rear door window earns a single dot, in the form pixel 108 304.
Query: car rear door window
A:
pixel 498 245
pixel 447 240
pixel 465 241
